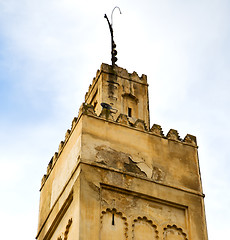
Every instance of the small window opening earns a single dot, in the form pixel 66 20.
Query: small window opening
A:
pixel 113 223
pixel 130 112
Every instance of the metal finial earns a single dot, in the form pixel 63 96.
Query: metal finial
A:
pixel 113 45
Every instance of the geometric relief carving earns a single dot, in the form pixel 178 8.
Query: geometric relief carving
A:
pixel 147 217
pixel 143 228
pixel 113 225
pixel 172 232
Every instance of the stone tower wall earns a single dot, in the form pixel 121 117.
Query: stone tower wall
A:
pixel 114 177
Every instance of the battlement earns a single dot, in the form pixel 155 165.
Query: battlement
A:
pixel 118 72
pixel 123 120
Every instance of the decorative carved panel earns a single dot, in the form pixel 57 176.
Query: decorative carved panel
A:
pixel 144 228
pixel 113 225
pixel 172 232
pixel 145 217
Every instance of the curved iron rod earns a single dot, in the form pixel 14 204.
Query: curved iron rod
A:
pixel 113 45
pixel 112 14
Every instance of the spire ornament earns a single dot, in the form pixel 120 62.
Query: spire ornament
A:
pixel 113 45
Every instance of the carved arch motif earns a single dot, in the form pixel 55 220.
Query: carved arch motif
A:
pixel 173 232
pixel 113 225
pixel 143 228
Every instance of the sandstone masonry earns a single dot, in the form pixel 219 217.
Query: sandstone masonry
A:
pixel 115 177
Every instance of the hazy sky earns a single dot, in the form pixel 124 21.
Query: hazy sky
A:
pixel 50 51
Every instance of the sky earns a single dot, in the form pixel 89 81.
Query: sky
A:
pixel 50 52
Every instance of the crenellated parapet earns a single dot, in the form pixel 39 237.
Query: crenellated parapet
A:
pixel 190 139
pixel 173 135
pixel 86 109
pixel 95 79
pixel 157 130
pixel 121 72
pixel 61 146
pixel 122 119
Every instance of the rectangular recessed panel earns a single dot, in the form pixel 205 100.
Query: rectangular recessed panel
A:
pixel 125 212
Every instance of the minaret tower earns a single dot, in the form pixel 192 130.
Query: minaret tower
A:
pixel 116 178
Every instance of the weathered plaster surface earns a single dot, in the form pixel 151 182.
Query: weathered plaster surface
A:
pixel 115 177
